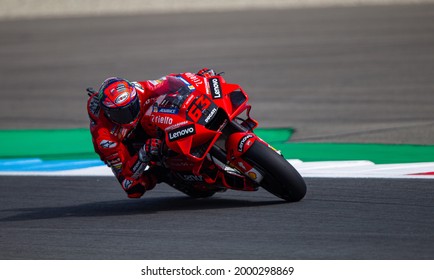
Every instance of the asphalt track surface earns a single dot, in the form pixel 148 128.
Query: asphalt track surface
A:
pixel 335 74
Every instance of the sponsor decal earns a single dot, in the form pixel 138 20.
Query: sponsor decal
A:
pixel 107 144
pixel 156 82
pixel 119 132
pixel 189 86
pixel 138 169
pixel 126 184
pixel 181 132
pixel 161 119
pixel 138 87
pixel 188 101
pixel 121 98
pixel 252 175
pixel 176 125
pixel 115 162
pixel 194 78
pixel 191 178
pixel 211 114
pixel 168 110
pixel 215 87
pixel 116 165
pixel 244 141
pixel 120 88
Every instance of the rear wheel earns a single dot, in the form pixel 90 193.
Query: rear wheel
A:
pixel 280 177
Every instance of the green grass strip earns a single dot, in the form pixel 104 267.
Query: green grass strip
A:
pixel 76 144
pixel 274 135
pixel 47 144
pixel 377 153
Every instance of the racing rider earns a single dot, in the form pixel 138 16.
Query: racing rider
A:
pixel 117 135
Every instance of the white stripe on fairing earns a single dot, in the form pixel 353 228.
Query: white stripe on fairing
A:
pixel 322 169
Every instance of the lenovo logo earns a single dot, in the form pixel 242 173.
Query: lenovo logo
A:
pixel 243 142
pixel 214 84
pixel 181 132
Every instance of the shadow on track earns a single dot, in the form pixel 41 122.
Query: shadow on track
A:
pixel 127 207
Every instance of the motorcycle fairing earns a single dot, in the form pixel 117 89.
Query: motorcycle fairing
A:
pixel 193 118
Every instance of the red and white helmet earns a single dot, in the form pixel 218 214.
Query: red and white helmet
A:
pixel 119 100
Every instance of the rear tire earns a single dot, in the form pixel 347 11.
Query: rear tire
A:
pixel 280 177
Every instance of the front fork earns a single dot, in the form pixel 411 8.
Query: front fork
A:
pixel 237 140
pixel 236 146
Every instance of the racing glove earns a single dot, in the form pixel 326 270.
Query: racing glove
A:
pixel 206 72
pixel 150 151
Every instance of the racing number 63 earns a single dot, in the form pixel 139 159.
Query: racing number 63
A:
pixel 196 109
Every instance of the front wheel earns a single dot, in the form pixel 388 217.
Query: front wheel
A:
pixel 280 177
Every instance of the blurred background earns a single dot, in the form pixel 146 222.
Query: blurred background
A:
pixel 336 71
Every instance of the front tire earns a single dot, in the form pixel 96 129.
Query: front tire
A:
pixel 280 177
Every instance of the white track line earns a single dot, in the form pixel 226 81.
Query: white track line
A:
pixel 321 169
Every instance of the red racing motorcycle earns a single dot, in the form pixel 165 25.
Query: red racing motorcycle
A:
pixel 210 145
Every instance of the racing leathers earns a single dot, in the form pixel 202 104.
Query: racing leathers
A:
pixel 126 148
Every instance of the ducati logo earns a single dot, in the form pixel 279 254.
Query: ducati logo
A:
pixel 211 114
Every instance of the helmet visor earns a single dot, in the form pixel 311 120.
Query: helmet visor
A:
pixel 126 114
